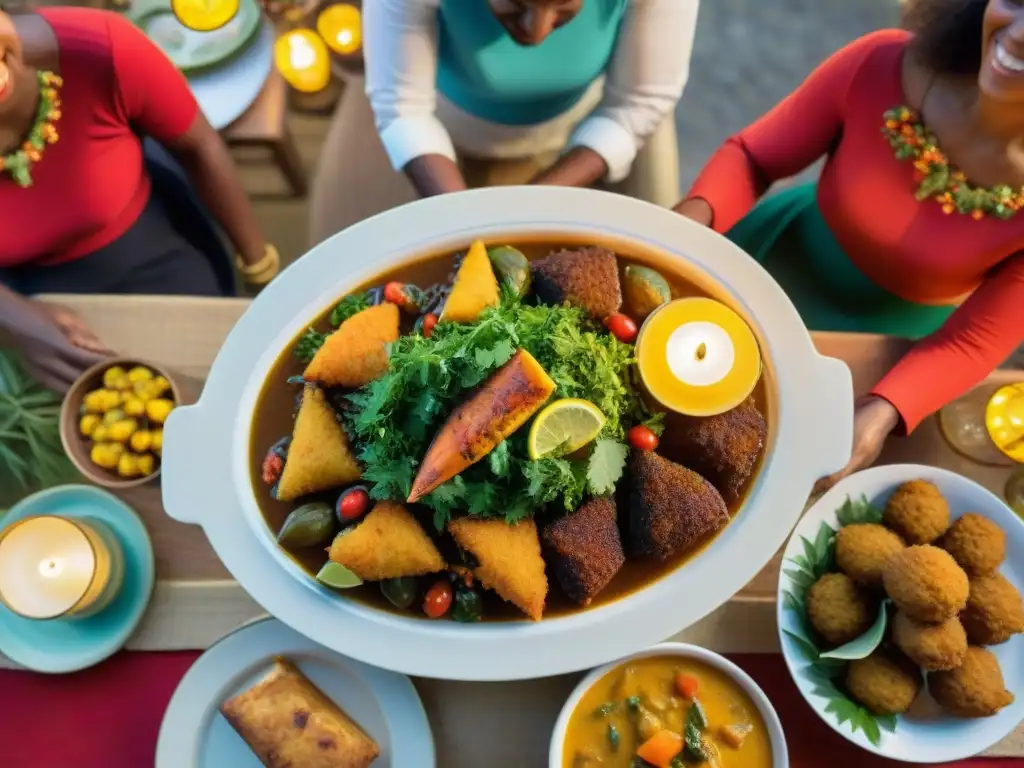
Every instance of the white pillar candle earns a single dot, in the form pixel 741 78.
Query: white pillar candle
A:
pixel 53 566
pixel 700 353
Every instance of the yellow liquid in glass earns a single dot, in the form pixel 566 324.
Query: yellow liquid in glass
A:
pixel 1004 420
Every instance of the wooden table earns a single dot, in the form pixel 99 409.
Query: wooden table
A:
pixel 196 602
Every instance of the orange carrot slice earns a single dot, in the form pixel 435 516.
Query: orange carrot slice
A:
pixel 661 748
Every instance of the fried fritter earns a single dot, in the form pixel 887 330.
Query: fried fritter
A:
pixel 838 610
pixel 917 511
pixel 723 448
pixel 994 612
pixel 926 583
pixel 319 457
pixel 387 544
pixel 586 277
pixel 584 549
pixel 509 559
pixel 672 509
pixel 974 689
pixel 882 684
pixel 933 647
pixel 976 543
pixel 863 549
pixel 356 353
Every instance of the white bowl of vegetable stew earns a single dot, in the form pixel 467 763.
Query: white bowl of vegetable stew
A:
pixel 668 706
pixel 429 444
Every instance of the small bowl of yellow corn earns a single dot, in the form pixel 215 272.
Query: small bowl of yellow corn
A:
pixel 112 420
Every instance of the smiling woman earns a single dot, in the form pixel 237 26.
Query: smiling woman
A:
pixel 926 244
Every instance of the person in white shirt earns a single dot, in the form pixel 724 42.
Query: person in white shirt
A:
pixel 479 92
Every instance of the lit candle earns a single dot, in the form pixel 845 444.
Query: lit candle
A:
pixel 1004 420
pixel 340 26
pixel 301 57
pixel 698 357
pixel 53 567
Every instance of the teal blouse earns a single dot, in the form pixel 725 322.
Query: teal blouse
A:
pixel 486 73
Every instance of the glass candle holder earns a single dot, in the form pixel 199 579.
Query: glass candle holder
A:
pixel 59 567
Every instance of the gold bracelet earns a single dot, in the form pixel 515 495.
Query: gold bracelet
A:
pixel 269 263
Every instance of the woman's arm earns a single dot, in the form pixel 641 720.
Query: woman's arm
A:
pixel 796 132
pixel 645 79
pixel 975 340
pixel 155 98
pixel 400 41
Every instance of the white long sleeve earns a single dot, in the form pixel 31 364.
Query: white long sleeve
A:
pixel 643 83
pixel 400 43
pixel 645 80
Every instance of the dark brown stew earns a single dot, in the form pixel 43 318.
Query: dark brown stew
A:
pixel 276 405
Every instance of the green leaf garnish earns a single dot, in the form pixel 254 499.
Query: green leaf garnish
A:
pixel 859 511
pixel 350 306
pixel 308 345
pixel 393 419
pixel 863 646
pixel 824 668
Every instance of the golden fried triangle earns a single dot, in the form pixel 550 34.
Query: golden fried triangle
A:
pixel 319 456
pixel 356 353
pixel 387 544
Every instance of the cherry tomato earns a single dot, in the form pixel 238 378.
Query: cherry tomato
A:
pixel 353 504
pixel 429 321
pixel 621 327
pixel 395 293
pixel 642 438
pixel 438 599
pixel 687 685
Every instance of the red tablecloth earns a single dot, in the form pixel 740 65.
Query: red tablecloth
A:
pixel 109 716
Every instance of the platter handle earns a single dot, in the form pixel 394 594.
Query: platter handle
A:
pixel 832 404
pixel 183 495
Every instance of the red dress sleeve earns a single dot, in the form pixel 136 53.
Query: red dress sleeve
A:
pixel 151 92
pixel 975 340
pixel 796 132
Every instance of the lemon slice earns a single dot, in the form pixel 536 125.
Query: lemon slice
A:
pixel 204 15
pixel 564 426
pixel 338 576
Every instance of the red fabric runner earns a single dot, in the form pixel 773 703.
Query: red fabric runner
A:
pixel 109 716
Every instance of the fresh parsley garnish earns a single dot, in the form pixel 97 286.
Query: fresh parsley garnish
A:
pixel 308 344
pixel 350 306
pixel 394 418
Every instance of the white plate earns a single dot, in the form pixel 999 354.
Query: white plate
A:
pixel 207 465
pixel 225 92
pixel 195 735
pixel 925 735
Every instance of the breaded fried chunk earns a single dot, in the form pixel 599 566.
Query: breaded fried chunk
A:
pixel 724 448
pixel 356 353
pixel 509 559
pixel 319 456
pixel 288 721
pixel 584 549
pixel 585 277
pixel 974 689
pixel 389 543
pixel 672 509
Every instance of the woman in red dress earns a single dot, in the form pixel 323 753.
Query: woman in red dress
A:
pixel 914 228
pixel 79 88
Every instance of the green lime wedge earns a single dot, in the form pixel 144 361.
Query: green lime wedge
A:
pixel 338 576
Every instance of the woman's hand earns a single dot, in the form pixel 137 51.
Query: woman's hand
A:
pixel 874 419
pixel 697 209
pixel 56 344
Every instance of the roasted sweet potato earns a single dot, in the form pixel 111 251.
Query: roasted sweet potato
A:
pixel 502 405
pixel 356 353
pixel 475 288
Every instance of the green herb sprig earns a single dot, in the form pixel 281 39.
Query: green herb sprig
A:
pixel 394 418
pixel 818 558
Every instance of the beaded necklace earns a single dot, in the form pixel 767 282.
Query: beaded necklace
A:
pixel 937 178
pixel 18 164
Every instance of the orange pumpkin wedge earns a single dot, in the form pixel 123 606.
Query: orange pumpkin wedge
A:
pixel 502 405
pixel 475 288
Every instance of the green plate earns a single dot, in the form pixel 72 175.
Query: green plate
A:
pixel 193 52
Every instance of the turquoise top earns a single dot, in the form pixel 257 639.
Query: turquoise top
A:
pixel 486 73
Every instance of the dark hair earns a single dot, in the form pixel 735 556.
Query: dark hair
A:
pixel 947 34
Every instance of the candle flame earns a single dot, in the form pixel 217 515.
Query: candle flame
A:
pixel 51 568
